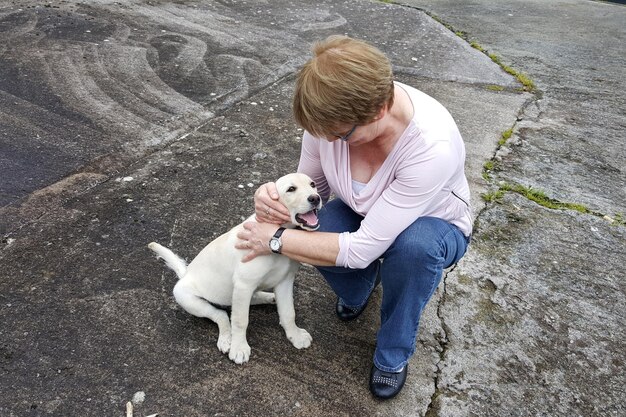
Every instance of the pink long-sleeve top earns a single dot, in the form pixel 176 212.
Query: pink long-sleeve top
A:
pixel 423 175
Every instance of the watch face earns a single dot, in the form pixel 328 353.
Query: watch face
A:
pixel 274 244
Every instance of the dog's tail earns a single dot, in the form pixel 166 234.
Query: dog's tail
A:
pixel 176 263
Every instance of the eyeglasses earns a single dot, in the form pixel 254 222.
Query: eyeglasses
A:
pixel 345 137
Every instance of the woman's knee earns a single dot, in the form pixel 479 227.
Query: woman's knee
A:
pixel 430 242
pixel 422 241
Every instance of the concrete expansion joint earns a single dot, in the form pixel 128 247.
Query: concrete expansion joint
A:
pixel 543 200
pixel 510 138
pixel 442 340
pixel 527 84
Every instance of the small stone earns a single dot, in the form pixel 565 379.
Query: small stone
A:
pixel 139 397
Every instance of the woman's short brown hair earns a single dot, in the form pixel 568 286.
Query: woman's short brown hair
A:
pixel 347 81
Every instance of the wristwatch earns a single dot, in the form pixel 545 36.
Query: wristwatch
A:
pixel 276 245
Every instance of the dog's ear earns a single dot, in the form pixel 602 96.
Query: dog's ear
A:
pixel 281 185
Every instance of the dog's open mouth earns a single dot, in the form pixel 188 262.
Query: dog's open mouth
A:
pixel 308 220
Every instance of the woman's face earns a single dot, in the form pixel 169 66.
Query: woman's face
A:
pixel 343 133
pixel 354 135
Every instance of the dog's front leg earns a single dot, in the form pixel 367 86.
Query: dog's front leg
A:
pixel 287 314
pixel 239 348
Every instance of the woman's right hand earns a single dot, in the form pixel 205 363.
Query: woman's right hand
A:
pixel 267 207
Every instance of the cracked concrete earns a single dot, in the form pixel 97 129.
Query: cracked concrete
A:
pixel 131 121
pixel 529 329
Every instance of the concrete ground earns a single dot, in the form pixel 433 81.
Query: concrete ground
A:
pixel 123 122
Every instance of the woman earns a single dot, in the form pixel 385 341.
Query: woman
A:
pixel 394 159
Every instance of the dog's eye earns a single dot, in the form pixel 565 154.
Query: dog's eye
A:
pixel 291 189
pixel 312 184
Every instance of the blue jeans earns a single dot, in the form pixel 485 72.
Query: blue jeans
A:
pixel 410 272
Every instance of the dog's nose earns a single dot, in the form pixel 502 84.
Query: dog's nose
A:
pixel 314 199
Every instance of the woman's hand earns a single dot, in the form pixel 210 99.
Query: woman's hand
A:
pixel 255 237
pixel 267 207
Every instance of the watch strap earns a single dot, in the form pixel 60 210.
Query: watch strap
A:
pixel 279 232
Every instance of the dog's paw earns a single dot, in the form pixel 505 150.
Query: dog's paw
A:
pixel 223 343
pixel 300 338
pixel 263 297
pixel 240 353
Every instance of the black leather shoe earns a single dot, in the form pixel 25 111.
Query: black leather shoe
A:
pixel 347 313
pixel 385 385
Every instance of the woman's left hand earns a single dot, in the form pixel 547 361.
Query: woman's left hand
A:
pixel 255 237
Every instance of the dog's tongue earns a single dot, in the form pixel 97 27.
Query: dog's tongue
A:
pixel 310 218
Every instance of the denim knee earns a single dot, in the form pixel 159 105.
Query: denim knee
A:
pixel 431 240
pixel 418 244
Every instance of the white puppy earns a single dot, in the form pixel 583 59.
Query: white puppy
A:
pixel 217 277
